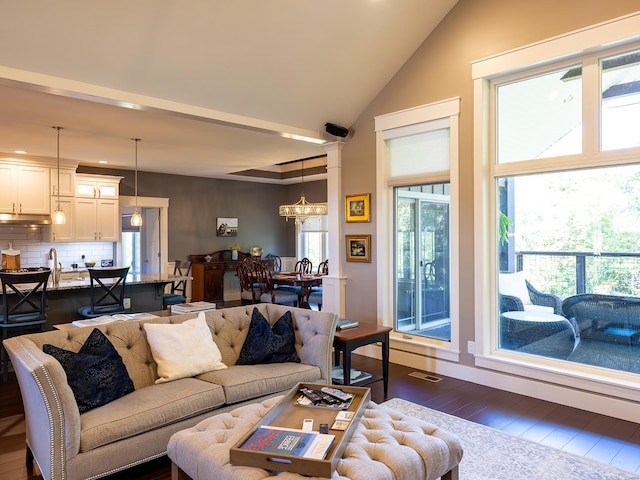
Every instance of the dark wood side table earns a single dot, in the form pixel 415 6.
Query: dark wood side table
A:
pixel 346 341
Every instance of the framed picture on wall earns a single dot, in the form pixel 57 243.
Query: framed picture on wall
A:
pixel 358 248
pixel 357 208
pixel 227 227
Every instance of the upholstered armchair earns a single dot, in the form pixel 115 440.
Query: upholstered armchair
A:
pixel 516 293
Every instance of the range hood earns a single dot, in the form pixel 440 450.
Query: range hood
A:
pixel 25 219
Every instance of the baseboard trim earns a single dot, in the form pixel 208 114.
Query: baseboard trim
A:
pixel 563 395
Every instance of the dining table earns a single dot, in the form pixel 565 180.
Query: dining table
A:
pixel 304 282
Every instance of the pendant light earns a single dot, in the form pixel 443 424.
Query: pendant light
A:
pixel 301 210
pixel 59 218
pixel 136 218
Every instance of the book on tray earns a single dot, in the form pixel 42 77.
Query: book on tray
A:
pixel 344 323
pixel 285 441
pixel 192 307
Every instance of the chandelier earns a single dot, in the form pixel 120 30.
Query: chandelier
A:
pixel 301 210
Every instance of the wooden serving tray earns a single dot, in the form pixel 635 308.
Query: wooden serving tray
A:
pixel 288 415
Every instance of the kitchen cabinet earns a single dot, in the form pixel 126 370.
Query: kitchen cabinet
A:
pixel 97 186
pixel 97 219
pixel 96 208
pixel 24 189
pixel 65 232
pixel 67 187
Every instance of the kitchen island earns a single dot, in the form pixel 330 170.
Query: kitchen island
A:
pixel 144 291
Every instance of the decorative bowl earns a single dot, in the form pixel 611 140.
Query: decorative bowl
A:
pixel 89 264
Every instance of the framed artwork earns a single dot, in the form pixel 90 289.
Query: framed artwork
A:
pixel 227 227
pixel 357 208
pixel 358 248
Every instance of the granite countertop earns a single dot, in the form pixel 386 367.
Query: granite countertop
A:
pixel 132 279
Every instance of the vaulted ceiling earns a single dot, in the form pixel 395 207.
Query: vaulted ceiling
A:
pixel 211 87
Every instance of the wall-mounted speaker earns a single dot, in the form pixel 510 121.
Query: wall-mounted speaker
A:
pixel 337 130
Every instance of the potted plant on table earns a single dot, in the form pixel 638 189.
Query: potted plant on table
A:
pixel 234 251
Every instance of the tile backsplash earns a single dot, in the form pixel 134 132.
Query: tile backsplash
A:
pixel 34 252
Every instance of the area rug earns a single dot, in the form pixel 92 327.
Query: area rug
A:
pixel 493 455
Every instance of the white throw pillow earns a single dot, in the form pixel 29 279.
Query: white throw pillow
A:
pixel 514 284
pixel 183 349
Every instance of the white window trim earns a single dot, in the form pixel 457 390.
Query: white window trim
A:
pixel 446 109
pixel 604 36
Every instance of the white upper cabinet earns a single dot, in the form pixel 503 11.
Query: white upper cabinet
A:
pixel 67 187
pixel 97 209
pixel 97 186
pixel 24 189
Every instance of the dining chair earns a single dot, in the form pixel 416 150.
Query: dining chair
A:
pixel 107 298
pixel 304 266
pixel 249 288
pixel 269 293
pixel 24 303
pixel 277 262
pixel 315 296
pixel 178 292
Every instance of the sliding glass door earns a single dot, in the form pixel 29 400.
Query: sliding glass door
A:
pixel 422 246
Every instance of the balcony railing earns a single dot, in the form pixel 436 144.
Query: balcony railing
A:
pixel 570 273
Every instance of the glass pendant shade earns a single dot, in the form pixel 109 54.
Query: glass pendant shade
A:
pixel 59 218
pixel 136 218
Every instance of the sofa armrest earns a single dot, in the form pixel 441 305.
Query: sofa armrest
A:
pixel 51 412
pixel 314 337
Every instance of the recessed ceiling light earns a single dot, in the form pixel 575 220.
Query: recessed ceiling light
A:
pixel 103 161
pixel 21 152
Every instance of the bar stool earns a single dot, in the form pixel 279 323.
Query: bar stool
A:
pixel 178 289
pixel 24 301
pixel 110 295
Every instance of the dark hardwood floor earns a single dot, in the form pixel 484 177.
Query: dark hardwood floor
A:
pixel 605 439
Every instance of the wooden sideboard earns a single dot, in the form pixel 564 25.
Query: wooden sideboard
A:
pixel 208 272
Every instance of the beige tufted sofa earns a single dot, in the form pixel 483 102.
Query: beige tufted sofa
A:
pixel 387 444
pixel 136 428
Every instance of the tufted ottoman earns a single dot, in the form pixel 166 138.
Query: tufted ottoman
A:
pixel 386 445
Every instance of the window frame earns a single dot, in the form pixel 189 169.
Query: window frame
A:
pixel 522 63
pixel 302 243
pixel 438 113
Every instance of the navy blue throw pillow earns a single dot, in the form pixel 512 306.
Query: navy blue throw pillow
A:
pixel 96 374
pixel 269 345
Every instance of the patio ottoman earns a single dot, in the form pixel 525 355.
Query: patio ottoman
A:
pixel 386 445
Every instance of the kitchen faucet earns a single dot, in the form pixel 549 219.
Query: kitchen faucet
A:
pixel 53 255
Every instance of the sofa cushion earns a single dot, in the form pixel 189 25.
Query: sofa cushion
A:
pixel 266 344
pixel 147 409
pixel 96 373
pixel 244 382
pixel 183 349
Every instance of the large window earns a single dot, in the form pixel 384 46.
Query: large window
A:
pixel 563 171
